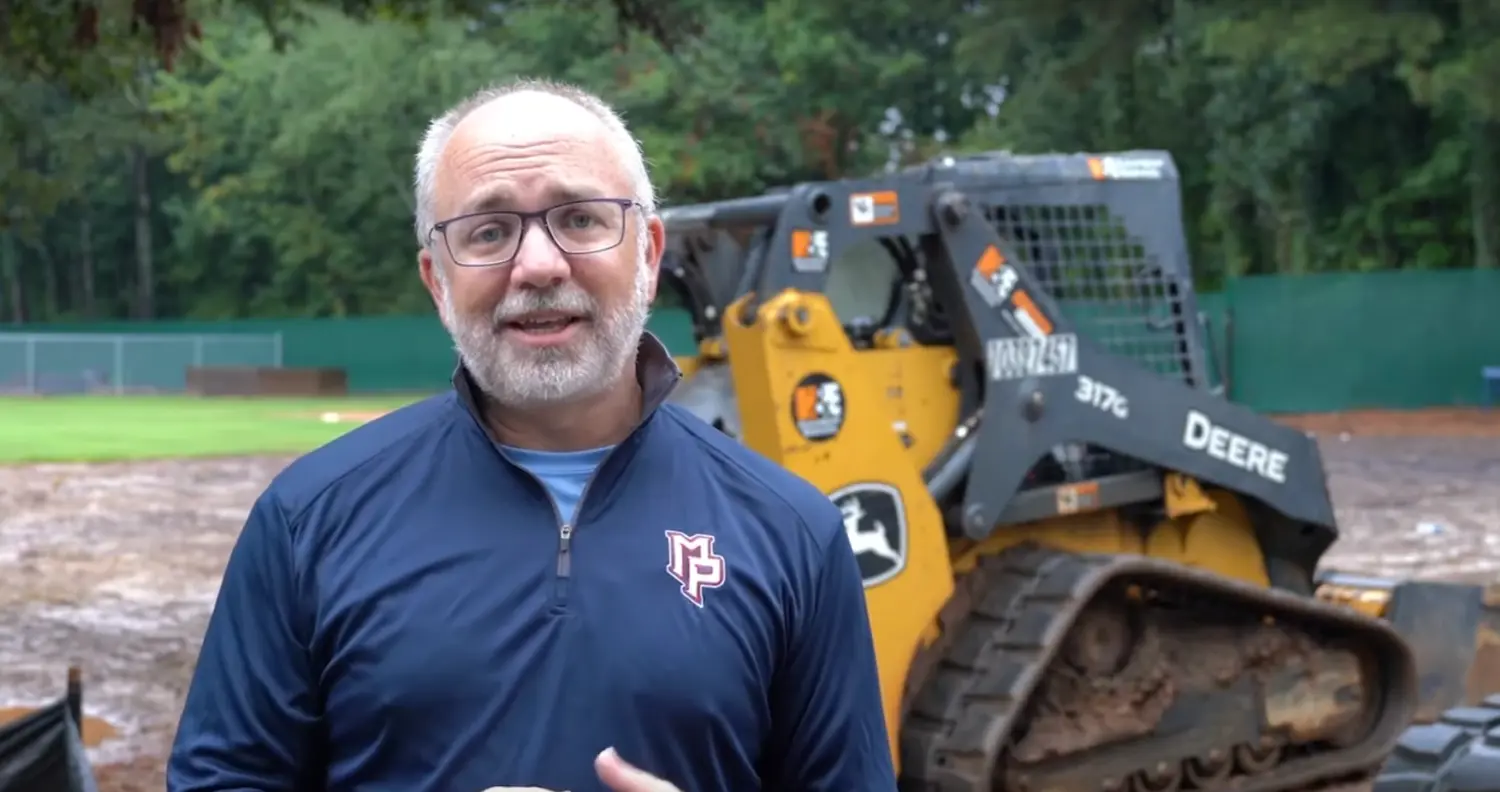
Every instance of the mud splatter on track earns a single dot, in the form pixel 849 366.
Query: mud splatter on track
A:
pixel 115 567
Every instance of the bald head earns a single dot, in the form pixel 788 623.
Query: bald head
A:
pixel 520 115
pixel 529 115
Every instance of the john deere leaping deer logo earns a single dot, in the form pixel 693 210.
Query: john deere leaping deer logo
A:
pixel 875 522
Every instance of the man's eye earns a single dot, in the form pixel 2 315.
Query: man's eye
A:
pixel 490 233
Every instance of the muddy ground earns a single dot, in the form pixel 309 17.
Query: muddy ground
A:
pixel 114 567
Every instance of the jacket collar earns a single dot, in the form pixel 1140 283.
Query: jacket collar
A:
pixel 655 370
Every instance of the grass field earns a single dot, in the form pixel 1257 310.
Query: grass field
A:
pixel 101 428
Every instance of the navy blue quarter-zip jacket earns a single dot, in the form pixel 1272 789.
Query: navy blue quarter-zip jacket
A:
pixel 405 612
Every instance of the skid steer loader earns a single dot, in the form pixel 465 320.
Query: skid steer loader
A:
pixel 1086 570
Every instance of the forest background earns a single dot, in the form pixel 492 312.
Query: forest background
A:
pixel 252 158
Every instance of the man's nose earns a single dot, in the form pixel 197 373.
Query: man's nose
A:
pixel 539 262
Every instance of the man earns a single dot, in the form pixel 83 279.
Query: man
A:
pixel 547 578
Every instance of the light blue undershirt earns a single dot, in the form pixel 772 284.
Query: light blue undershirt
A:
pixel 563 473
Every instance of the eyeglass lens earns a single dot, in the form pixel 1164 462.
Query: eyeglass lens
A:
pixel 581 227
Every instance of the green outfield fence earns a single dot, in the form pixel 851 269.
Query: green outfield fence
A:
pixel 1290 344
pixel 1401 339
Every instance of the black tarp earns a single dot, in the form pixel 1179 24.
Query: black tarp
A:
pixel 43 752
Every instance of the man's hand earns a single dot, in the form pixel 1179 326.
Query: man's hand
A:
pixel 621 776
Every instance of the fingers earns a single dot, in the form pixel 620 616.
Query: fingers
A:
pixel 616 773
pixel 621 776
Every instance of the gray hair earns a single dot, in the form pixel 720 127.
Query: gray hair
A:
pixel 440 130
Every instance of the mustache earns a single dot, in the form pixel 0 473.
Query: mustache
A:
pixel 564 299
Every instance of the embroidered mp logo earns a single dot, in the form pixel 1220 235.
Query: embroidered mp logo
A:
pixel 691 561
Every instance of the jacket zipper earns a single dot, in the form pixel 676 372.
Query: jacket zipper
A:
pixel 565 529
pixel 565 550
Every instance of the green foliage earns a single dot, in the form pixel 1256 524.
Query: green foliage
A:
pixel 268 173
pixel 297 165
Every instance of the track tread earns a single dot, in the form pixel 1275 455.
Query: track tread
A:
pixel 1458 753
pixel 1020 604
pixel 988 673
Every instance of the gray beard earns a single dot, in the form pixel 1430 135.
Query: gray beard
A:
pixel 518 377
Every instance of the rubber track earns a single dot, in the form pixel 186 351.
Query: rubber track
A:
pixel 1459 753
pixel 1024 602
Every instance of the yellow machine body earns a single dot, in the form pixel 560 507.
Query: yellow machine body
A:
pixel 794 333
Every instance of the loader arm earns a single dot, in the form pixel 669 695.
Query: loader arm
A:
pixel 1046 384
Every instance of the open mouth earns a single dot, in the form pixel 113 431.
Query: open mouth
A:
pixel 544 323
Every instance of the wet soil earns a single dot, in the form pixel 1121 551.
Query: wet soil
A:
pixel 1439 422
pixel 1425 507
pixel 115 567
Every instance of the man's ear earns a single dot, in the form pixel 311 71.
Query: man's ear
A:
pixel 656 232
pixel 427 268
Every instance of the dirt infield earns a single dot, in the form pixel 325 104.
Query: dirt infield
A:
pixel 115 566
pixel 1448 422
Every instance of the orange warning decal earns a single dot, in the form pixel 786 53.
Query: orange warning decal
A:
pixel 874 208
pixel 1023 302
pixel 990 262
pixel 805 403
pixel 801 243
pixel 1073 498
pixel 1096 168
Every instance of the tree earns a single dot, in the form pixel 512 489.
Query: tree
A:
pixel 268 172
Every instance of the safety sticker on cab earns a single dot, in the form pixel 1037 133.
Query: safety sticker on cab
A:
pixel 993 278
pixel 874 208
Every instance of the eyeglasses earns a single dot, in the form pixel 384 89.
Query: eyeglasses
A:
pixel 488 239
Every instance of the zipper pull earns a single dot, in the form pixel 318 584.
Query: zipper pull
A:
pixel 564 550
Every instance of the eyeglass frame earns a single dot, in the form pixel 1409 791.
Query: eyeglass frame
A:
pixel 441 227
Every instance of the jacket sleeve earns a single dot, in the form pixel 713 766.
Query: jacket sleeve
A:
pixel 251 706
pixel 828 732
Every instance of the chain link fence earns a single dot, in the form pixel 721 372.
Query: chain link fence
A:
pixel 121 363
